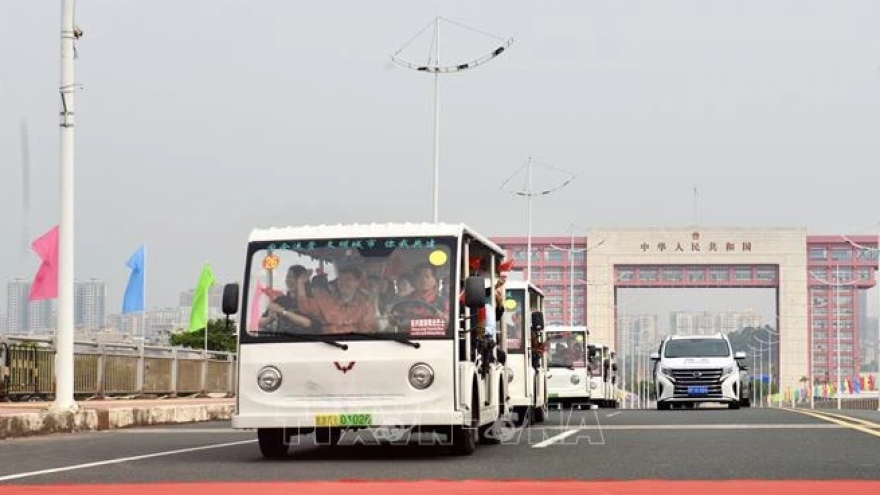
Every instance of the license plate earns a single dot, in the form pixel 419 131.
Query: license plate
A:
pixel 698 390
pixel 343 420
pixel 327 420
pixel 355 419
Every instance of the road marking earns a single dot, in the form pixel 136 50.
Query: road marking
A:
pixel 865 422
pixel 121 460
pixel 554 439
pixel 229 431
pixel 612 414
pixel 745 426
pixel 853 425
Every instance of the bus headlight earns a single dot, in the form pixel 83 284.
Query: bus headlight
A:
pixel 421 376
pixel 575 379
pixel 269 379
pixel 509 375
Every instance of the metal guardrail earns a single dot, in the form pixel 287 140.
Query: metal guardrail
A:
pixel 27 370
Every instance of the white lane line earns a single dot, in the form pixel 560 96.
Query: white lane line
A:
pixel 744 426
pixel 554 439
pixel 182 430
pixel 612 414
pixel 121 460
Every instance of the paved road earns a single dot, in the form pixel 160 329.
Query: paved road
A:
pixel 699 444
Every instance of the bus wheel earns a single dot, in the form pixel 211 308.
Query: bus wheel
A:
pixel 524 414
pixel 273 444
pixel 464 437
pixel 539 414
pixel 327 436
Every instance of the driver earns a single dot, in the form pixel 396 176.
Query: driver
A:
pixel 426 290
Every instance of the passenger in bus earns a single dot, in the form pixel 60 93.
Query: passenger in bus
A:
pixel 346 310
pixel 282 315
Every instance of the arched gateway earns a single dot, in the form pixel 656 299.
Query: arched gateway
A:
pixel 799 267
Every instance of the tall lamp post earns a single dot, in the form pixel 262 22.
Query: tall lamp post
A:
pixel 571 252
pixel 876 254
pixel 64 360
pixel 837 285
pixel 760 366
pixel 433 66
pixel 770 334
pixel 529 193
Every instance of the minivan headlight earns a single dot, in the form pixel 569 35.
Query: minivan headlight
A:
pixel 269 379
pixel 728 370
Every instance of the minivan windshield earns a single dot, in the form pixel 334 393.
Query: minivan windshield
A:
pixel 694 348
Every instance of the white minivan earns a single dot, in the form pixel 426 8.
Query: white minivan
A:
pixel 689 370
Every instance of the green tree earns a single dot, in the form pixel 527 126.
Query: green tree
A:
pixel 221 336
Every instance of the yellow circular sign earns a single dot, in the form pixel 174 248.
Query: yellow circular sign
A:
pixel 437 258
pixel 579 338
pixel 270 262
pixel 510 304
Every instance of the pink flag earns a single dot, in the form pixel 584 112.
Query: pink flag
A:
pixel 255 307
pixel 45 285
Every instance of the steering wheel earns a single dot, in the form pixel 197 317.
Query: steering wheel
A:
pixel 404 311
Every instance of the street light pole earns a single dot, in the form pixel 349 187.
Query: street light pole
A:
pixel 571 251
pixel 436 69
pixel 837 285
pixel 64 364
pixel 876 252
pixel 528 192
pixel 529 215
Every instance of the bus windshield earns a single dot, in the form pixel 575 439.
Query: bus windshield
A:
pixel 297 289
pixel 567 349
pixel 514 319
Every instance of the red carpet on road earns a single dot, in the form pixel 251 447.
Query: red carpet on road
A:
pixel 531 487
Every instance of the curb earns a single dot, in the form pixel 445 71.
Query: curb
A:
pixel 46 423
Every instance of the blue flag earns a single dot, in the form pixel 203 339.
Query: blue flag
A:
pixel 133 300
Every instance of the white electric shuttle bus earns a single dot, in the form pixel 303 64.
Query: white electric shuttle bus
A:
pixel 602 369
pixel 568 381
pixel 368 326
pixel 527 365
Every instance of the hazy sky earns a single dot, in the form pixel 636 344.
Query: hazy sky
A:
pixel 199 120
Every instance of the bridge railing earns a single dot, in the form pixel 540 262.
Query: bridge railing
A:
pixel 27 370
pixel 855 393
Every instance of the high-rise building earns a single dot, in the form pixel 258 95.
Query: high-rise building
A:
pixel 89 300
pixel 27 317
pixel 17 315
pixel 560 272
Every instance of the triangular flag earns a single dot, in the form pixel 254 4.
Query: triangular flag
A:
pixel 45 285
pixel 198 318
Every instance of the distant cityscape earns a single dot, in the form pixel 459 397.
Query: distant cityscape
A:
pixel 642 333
pixel 93 321
pixel 638 333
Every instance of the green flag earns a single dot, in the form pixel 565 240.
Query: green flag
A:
pixel 198 318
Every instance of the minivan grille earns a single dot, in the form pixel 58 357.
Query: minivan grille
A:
pixel 710 378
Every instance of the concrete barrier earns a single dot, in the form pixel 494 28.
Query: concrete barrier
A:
pixel 94 417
